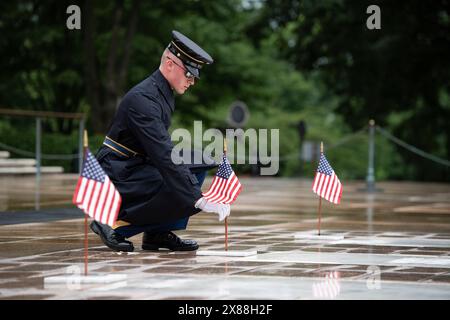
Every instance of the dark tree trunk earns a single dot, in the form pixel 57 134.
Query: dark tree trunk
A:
pixel 93 86
pixel 104 98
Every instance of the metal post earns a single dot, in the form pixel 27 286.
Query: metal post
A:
pixel 80 146
pixel 38 162
pixel 370 170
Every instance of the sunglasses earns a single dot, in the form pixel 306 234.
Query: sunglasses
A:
pixel 187 73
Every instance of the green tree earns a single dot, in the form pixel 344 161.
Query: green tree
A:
pixel 397 75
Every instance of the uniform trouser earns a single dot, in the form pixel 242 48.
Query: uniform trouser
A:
pixel 181 224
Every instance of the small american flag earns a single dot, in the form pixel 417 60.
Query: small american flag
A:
pixel 95 193
pixel 225 186
pixel 326 183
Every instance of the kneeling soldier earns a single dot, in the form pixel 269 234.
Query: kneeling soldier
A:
pixel 158 196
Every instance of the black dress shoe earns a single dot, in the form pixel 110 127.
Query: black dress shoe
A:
pixel 111 238
pixel 168 240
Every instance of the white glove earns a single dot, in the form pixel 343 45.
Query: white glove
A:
pixel 223 210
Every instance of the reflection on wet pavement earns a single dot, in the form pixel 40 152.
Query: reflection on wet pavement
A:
pixel 396 246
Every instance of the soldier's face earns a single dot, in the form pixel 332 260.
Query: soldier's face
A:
pixel 180 81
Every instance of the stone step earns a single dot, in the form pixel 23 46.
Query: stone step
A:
pixel 7 163
pixel 4 154
pixel 29 170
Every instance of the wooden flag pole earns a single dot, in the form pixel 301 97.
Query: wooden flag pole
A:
pixel 226 219
pixel 226 234
pixel 320 209
pixel 85 216
pixel 320 198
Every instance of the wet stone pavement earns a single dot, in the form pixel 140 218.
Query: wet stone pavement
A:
pixel 396 245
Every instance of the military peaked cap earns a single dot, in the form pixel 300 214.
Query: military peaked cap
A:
pixel 190 53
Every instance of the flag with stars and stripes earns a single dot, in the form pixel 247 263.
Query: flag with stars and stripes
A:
pixel 225 186
pixel 326 183
pixel 95 194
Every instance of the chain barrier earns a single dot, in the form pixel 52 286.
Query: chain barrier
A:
pixel 298 154
pixel 346 138
pixel 411 148
pixel 43 155
pixel 294 155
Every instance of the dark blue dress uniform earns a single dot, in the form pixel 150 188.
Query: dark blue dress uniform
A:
pixel 137 151
pixel 153 188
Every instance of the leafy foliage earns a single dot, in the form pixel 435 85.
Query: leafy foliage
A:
pixel 288 60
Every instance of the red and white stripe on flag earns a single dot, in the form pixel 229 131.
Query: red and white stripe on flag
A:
pixel 100 200
pixel 95 194
pixel 328 187
pixel 225 186
pixel 224 190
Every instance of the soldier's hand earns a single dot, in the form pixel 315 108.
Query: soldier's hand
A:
pixel 223 210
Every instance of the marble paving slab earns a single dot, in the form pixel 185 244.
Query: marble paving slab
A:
pixel 352 258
